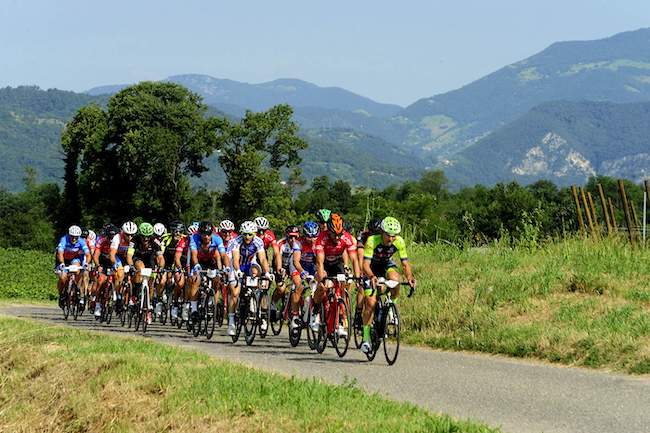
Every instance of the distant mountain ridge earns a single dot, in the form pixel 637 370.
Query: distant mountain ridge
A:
pixel 257 97
pixel 615 69
pixel 564 141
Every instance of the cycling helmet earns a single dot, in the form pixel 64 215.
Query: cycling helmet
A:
pixel 335 224
pixel 145 229
pixel 84 232
pixel 193 228
pixel 74 231
pixel 323 215
pixel 110 230
pixel 391 226
pixel 205 228
pixel 262 223
pixel 375 225
pixel 91 235
pixel 226 225
pixel 248 227
pixel 129 228
pixel 311 229
pixel 159 229
pixel 292 230
pixel 177 226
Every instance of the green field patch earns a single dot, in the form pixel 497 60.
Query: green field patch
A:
pixel 64 379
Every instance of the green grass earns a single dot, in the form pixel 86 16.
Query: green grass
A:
pixel 62 379
pixel 27 275
pixel 575 302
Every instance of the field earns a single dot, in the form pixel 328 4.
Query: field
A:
pixel 573 301
pixel 66 380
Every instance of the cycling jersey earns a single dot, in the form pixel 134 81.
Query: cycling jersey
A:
pixel 205 254
pixel 72 251
pixel 269 239
pixel 183 247
pixel 247 253
pixel 146 253
pixel 334 249
pixel 169 245
pixel 287 248
pixel 307 256
pixel 121 245
pixel 376 251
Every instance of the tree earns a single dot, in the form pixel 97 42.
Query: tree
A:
pixel 252 153
pixel 137 156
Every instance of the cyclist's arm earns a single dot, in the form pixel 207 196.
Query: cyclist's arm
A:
pixel 195 257
pixel 277 258
pixel 355 265
pixel 129 255
pixel 235 258
pixel 297 254
pixel 320 265
pixel 261 255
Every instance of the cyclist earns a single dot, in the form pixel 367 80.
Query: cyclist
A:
pixel 377 262
pixel 374 227
pixel 146 252
pixel 86 288
pixel 269 239
pixel 304 262
pixel 322 216
pixel 288 245
pixel 333 249
pixel 249 258
pixel 119 248
pixel 228 234
pixel 72 249
pixel 170 243
pixel 207 250
pixel 102 260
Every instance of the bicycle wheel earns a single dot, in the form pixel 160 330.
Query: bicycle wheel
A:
pixel 66 302
pixel 211 316
pixel 74 302
pixel 145 309
pixel 357 329
pixel 321 335
pixel 179 314
pixel 391 333
pixel 341 339
pixel 250 319
pixel 264 312
pixel 280 306
pixel 312 336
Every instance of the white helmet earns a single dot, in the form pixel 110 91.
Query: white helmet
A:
pixel 91 235
pixel 74 231
pixel 227 225
pixel 193 228
pixel 129 228
pixel 159 229
pixel 262 223
pixel 248 227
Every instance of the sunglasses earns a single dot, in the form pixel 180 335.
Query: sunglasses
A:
pixel 249 235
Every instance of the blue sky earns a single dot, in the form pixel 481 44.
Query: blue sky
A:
pixel 387 50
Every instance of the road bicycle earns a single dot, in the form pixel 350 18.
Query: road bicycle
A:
pixel 295 333
pixel 144 308
pixel 334 315
pixel 249 312
pixel 207 308
pixel 385 327
pixel 106 297
pixel 71 294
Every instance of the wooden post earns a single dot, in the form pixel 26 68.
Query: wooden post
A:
pixel 593 211
pixel 612 215
pixel 592 229
pixel 603 203
pixel 581 224
pixel 626 210
pixel 636 220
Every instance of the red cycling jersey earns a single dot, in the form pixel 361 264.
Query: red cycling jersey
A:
pixel 334 250
pixel 268 238
pixel 103 244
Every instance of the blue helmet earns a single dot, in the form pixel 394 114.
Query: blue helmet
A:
pixel 310 229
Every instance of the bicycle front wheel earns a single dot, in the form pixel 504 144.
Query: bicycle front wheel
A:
pixel 341 338
pixel 321 335
pixel 391 335
pixel 250 319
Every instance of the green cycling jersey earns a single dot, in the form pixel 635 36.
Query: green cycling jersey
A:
pixel 376 251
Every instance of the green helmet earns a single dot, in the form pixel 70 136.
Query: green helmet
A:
pixel 323 215
pixel 145 229
pixel 391 226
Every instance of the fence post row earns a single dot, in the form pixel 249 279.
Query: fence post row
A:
pixel 626 210
pixel 603 203
pixel 581 223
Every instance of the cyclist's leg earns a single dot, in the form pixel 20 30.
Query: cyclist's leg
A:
pixel 393 274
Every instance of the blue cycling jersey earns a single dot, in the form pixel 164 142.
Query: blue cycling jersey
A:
pixel 72 250
pixel 247 252
pixel 206 253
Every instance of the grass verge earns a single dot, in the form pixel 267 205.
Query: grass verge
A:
pixel 27 275
pixel 60 379
pixel 575 301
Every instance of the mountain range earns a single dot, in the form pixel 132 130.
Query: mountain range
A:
pixel 580 100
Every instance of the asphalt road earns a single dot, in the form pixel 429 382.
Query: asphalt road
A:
pixel 519 396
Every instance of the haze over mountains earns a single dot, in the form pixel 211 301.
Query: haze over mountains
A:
pixel 493 129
